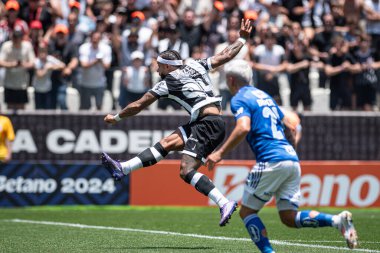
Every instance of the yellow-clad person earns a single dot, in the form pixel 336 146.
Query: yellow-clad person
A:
pixel 7 136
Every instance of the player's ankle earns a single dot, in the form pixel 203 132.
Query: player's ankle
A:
pixel 336 221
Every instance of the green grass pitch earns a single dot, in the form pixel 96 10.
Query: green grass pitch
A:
pixel 189 229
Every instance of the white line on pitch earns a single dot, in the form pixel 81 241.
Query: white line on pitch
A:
pixel 328 241
pixel 276 242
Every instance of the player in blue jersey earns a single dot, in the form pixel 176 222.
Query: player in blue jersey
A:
pixel 277 171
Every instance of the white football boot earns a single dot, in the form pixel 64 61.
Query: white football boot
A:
pixel 348 230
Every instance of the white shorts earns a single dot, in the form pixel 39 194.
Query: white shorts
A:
pixel 279 179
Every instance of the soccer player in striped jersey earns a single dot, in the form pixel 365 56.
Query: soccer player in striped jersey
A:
pixel 190 86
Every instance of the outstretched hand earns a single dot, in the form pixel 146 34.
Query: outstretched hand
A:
pixel 245 28
pixel 110 119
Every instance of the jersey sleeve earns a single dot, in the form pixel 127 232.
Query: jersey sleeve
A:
pixel 160 90
pixel 240 108
pixel 206 63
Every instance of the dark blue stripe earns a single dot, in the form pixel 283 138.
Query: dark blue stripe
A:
pixel 254 195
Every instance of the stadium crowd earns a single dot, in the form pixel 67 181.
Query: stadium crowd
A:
pixel 51 45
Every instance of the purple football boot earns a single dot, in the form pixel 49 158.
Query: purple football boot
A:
pixel 226 211
pixel 113 167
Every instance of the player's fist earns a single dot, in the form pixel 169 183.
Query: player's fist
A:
pixel 110 119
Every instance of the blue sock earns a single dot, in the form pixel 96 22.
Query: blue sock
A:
pixel 303 219
pixel 258 233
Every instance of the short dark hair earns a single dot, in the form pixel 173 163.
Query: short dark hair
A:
pixel 170 55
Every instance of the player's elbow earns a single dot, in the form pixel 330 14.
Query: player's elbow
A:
pixel 244 129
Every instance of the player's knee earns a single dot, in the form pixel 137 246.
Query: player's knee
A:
pixel 288 221
pixel 245 211
pixel 186 174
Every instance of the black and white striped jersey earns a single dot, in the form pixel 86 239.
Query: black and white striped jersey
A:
pixel 190 86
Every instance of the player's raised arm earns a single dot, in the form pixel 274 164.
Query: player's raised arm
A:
pixel 232 50
pixel 132 109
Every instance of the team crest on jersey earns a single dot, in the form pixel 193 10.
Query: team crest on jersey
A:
pixel 239 111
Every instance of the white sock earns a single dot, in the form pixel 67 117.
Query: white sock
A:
pixel 131 165
pixel 336 221
pixel 216 196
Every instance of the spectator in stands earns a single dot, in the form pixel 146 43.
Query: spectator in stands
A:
pixel 157 11
pixel 37 10
pixel 290 33
pixel 172 41
pixel 135 80
pixel 36 34
pixel 273 16
pixel 106 30
pixel 366 82
pixel 213 25
pixel 95 57
pixel 243 54
pixel 189 31
pixel 83 24
pixel 372 11
pixel 7 136
pixel 17 57
pixel 130 44
pixel 75 35
pixel 298 69
pixel 269 62
pixel 44 65
pixel 312 17
pixel 337 11
pixel 138 25
pixel 295 9
pixel 352 36
pixel 12 21
pixel 201 9
pixel 339 67
pixel 353 10
pixel 321 45
pixel 63 50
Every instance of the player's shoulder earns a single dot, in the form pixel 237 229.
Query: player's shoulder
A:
pixel 243 96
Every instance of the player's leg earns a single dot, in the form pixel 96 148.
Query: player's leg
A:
pixel 261 182
pixel 255 227
pixel 153 155
pixel 314 219
pixel 204 185
pixel 287 200
pixel 201 138
pixel 148 157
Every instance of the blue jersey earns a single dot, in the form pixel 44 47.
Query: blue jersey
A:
pixel 266 138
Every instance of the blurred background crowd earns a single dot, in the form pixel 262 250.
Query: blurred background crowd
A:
pixel 100 54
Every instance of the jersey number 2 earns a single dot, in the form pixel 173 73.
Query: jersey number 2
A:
pixel 272 114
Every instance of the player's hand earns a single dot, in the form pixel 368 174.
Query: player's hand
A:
pixel 110 119
pixel 212 160
pixel 245 28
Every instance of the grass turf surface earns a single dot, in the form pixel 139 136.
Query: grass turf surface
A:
pixel 27 237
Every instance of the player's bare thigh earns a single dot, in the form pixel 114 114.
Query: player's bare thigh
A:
pixel 173 142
